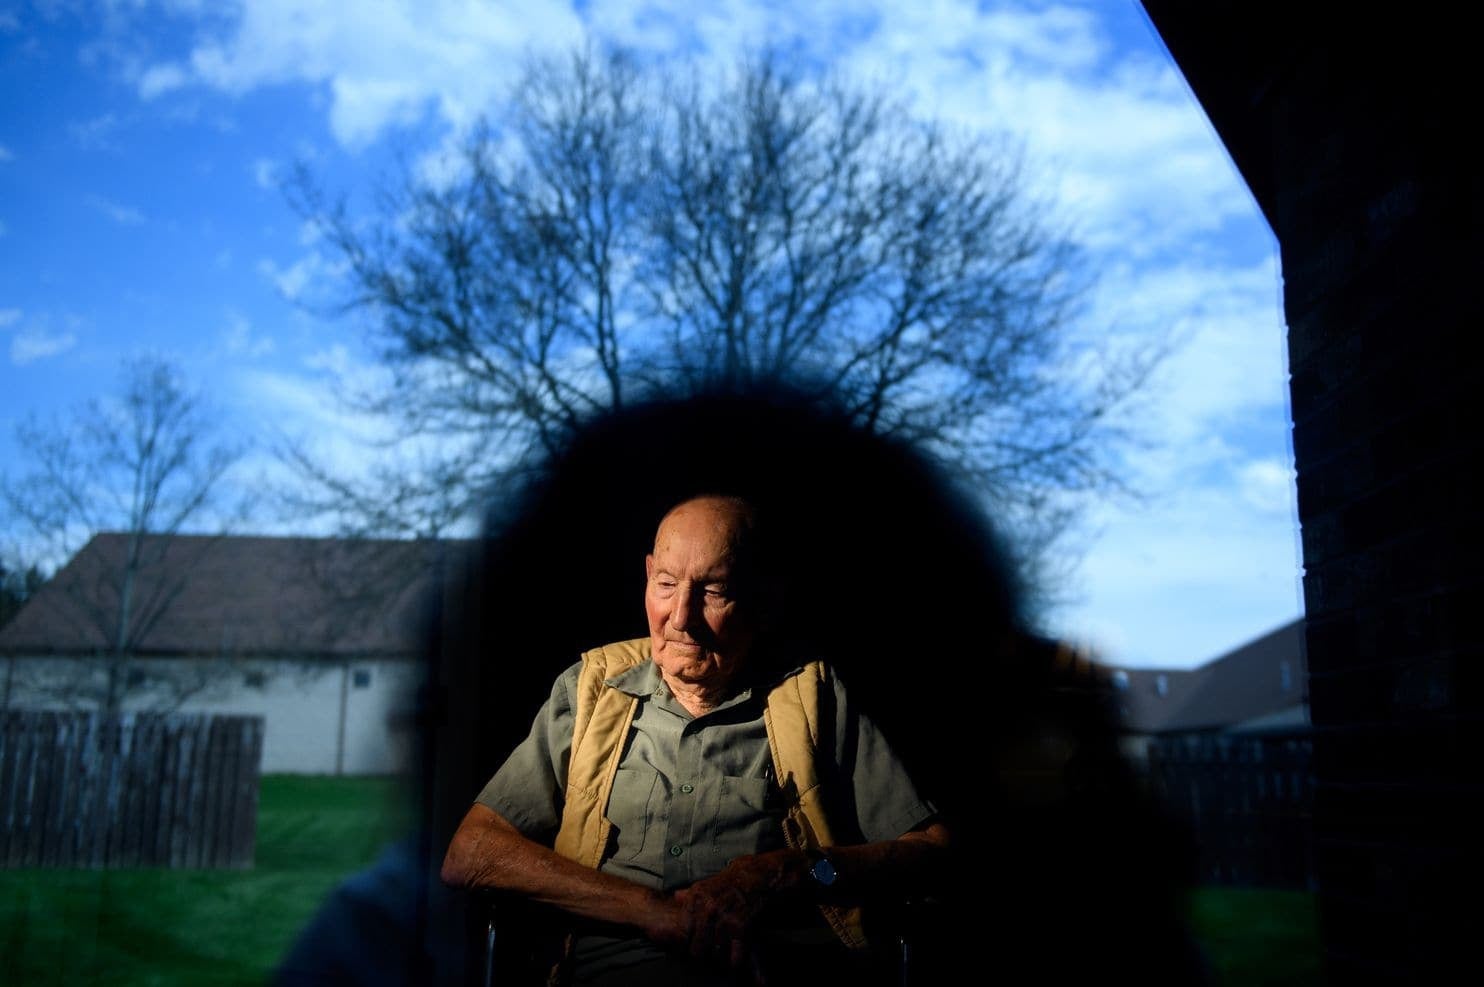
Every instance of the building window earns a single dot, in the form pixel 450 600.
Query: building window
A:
pixel 361 678
pixel 255 680
pixel 1120 679
pixel 1162 684
pixel 1285 675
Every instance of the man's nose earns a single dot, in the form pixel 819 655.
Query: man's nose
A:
pixel 684 610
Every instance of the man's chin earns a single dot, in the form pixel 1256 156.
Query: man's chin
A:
pixel 688 662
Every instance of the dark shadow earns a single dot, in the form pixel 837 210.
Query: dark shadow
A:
pixel 899 580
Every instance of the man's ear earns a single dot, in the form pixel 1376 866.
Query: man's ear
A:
pixel 648 567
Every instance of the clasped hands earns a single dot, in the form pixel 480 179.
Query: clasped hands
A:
pixel 714 919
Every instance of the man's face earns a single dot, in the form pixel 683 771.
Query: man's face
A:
pixel 700 632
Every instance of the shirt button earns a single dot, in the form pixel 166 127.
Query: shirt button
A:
pixel 676 850
pixel 687 789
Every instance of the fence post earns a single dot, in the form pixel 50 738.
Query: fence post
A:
pixel 132 789
pixel 1246 799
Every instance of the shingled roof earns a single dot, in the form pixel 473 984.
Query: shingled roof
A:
pixel 214 595
pixel 1243 685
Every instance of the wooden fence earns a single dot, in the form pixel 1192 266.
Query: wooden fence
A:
pixel 1248 799
pixel 130 790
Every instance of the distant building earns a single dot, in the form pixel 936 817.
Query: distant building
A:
pixel 321 637
pixel 1261 685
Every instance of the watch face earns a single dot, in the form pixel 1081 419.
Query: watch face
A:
pixel 824 871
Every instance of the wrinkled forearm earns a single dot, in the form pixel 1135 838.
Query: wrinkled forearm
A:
pixel 916 863
pixel 723 909
pixel 489 853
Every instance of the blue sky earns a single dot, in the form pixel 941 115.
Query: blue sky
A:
pixel 141 146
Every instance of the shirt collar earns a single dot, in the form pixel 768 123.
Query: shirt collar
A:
pixel 639 680
pixel 643 681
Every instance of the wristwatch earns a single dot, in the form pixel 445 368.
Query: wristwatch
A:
pixel 821 867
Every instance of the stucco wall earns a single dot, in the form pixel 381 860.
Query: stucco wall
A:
pixel 343 717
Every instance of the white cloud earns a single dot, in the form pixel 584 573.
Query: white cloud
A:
pixel 239 340
pixel 9 316
pixel 335 361
pixel 1111 134
pixel 1117 137
pixel 121 214
pixel 1228 364
pixel 160 79
pixel 289 281
pixel 310 414
pixel 718 29
pixel 348 372
pixel 6 154
pixel 1133 155
pixel 310 233
pixel 382 64
pixel 1187 577
pixel 350 446
pixel 95 134
pixel 265 173
pixel 1135 159
pixel 342 440
pixel 363 107
pixel 949 41
pixel 440 166
pixel 1267 485
pixel 32 344
pixel 313 270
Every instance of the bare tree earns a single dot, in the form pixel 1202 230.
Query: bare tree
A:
pixel 141 465
pixel 18 583
pixel 615 234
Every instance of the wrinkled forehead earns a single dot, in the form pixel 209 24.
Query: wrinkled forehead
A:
pixel 729 519
pixel 720 527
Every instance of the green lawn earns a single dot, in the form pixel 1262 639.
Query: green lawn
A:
pixel 1255 936
pixel 161 927
pixel 180 927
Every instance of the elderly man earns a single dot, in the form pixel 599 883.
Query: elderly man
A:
pixel 698 801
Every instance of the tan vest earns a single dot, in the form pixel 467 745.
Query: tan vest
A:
pixel 603 718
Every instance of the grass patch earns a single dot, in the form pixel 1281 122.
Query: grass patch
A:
pixel 1258 936
pixel 180 928
pixel 191 927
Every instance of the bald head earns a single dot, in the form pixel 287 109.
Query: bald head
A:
pixel 701 619
pixel 731 518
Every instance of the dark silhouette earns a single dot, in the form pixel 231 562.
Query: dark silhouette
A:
pixel 893 575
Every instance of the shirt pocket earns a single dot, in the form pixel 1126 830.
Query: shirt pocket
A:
pixel 746 820
pixel 632 807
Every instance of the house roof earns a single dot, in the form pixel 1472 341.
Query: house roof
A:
pixel 1262 681
pixel 213 595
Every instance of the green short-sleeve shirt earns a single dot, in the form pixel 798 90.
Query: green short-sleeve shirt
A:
pixel 694 792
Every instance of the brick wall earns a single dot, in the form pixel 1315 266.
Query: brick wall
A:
pixel 1351 130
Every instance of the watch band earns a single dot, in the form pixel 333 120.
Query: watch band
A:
pixel 821 868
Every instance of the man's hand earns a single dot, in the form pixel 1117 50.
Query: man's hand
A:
pixel 718 915
pixel 712 919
